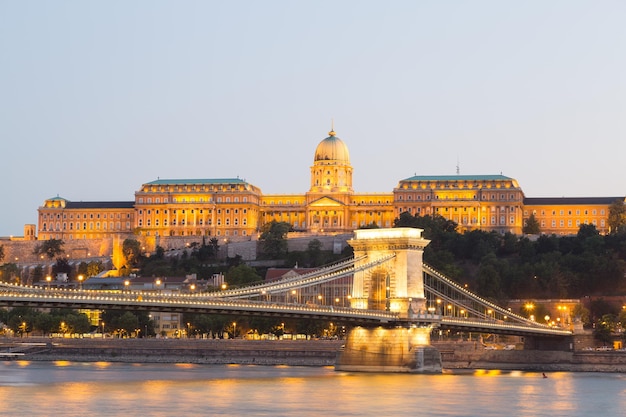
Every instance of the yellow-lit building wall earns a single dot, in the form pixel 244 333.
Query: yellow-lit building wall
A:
pixel 564 216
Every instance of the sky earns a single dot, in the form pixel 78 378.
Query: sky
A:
pixel 98 98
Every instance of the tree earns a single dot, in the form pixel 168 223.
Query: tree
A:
pixel 604 327
pixel 314 252
pixel 50 248
pixel 10 273
pixel 532 226
pixel 579 312
pixel 241 275
pixel 45 323
pixel 131 249
pixel 94 268
pixel 77 323
pixel 617 216
pixel 586 231
pixel 1 253
pixel 126 323
pixel 273 238
pixel 62 266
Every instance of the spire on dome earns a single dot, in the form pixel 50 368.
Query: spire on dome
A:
pixel 332 128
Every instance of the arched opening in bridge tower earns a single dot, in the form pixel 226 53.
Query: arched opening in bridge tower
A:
pixel 379 290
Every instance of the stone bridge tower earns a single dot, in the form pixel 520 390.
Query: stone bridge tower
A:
pixel 396 285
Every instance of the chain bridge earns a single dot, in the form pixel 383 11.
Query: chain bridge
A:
pixel 391 289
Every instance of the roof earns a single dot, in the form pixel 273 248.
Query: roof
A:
pixel 100 205
pixel 273 274
pixel 458 178
pixel 545 201
pixel 332 149
pixel 197 181
pixel 168 280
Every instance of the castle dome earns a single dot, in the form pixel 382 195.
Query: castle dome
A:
pixel 332 149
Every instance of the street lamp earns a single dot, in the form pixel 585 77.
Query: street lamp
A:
pixel 234 329
pixel 126 284
pixel 48 280
pixel 80 281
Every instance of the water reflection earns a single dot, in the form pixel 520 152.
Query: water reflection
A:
pixel 103 389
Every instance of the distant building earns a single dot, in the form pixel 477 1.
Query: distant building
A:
pixel 234 209
pixel 565 215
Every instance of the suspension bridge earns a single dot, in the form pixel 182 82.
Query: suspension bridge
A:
pixel 391 288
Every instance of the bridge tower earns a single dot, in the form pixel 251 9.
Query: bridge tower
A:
pixel 396 285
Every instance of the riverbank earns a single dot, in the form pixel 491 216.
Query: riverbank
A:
pixel 455 357
pixel 199 351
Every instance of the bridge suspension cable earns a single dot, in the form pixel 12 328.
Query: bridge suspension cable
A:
pixel 452 300
pixel 306 280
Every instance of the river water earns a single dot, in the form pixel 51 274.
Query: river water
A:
pixel 118 389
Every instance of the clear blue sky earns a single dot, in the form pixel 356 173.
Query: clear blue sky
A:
pixel 97 98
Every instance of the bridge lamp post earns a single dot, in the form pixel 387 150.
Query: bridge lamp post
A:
pixel 337 300
pixel 319 299
pixel 449 309
pixel 438 306
pixel 126 285
pixel 149 318
pixel 387 295
pixel 295 296
pixel 562 314
pixel 48 280
pixel 80 281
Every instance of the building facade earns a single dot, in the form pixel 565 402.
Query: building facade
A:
pixel 565 215
pixel 233 209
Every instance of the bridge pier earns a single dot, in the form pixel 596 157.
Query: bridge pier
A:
pixel 396 286
pixel 399 349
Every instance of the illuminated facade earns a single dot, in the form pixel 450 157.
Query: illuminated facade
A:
pixel 66 220
pixel 486 202
pixel 565 215
pixel 234 209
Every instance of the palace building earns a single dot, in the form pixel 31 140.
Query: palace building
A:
pixel 234 209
